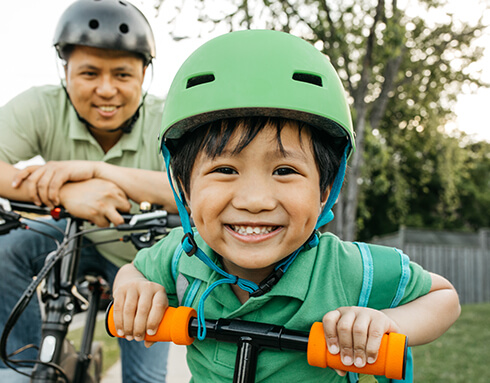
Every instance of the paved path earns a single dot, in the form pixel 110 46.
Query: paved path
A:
pixel 177 368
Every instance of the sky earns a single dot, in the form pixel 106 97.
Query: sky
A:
pixel 28 59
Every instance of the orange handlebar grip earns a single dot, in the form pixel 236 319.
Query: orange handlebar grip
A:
pixel 391 360
pixel 174 326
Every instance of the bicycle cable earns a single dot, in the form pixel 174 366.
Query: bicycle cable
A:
pixel 22 303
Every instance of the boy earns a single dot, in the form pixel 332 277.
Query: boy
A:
pixel 257 131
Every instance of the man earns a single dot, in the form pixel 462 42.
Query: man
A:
pixel 98 133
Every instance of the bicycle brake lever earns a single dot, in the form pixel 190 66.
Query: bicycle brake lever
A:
pixel 147 216
pixel 8 220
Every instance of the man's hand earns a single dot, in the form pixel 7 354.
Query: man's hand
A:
pixel 95 200
pixel 47 180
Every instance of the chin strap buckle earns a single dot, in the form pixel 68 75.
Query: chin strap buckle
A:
pixel 268 283
pixel 189 244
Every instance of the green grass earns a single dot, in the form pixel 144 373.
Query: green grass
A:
pixel 461 354
pixel 109 347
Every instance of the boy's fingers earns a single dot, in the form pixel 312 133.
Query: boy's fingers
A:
pixel 158 307
pixel 360 334
pixel 141 317
pixel 330 320
pixel 118 315
pixel 346 343
pixel 373 342
pixel 129 311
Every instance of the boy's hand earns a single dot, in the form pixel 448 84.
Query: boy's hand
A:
pixel 139 306
pixel 356 333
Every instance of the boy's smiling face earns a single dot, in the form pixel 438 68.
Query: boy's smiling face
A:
pixel 256 207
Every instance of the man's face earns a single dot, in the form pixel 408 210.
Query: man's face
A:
pixel 104 85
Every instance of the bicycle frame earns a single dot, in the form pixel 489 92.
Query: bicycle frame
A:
pixel 56 358
pixel 60 309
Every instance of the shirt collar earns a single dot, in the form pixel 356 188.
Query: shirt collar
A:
pixel 293 284
pixel 128 141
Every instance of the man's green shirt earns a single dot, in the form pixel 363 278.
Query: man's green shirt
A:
pixel 42 121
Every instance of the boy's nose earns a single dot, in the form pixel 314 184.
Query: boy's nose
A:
pixel 255 196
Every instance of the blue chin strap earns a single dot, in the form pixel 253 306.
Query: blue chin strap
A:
pixel 190 247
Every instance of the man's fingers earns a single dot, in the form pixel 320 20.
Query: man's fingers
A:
pixel 20 177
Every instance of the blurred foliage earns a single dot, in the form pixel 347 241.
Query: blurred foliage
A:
pixel 402 69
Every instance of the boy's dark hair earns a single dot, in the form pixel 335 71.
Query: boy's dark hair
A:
pixel 212 138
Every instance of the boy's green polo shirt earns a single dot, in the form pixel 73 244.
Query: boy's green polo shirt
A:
pixel 319 280
pixel 42 121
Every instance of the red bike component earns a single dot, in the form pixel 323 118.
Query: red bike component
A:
pixel 177 323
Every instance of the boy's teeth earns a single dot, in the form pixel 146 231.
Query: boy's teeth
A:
pixel 252 230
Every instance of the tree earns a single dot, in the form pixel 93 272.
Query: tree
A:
pixel 401 72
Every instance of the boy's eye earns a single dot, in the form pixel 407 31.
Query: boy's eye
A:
pixel 225 170
pixel 284 171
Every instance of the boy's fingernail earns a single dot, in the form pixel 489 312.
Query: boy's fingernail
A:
pixel 371 360
pixel 333 349
pixel 120 332
pixel 129 337
pixel 347 360
pixel 151 332
pixel 359 363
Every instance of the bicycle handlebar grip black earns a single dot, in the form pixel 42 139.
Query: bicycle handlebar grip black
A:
pixel 174 326
pixel 391 361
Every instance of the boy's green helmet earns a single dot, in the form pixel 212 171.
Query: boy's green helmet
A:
pixel 263 73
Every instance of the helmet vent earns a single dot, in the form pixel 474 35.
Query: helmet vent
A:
pixel 93 24
pixel 124 28
pixel 309 78
pixel 198 80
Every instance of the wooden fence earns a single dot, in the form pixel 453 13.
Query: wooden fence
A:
pixel 468 269
pixel 462 258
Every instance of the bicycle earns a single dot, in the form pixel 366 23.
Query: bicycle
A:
pixel 58 360
pixel 180 325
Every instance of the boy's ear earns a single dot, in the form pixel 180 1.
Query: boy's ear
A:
pixel 325 195
pixel 183 195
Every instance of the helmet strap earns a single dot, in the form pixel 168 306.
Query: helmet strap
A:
pixel 191 248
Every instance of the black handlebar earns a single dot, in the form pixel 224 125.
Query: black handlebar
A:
pixel 141 221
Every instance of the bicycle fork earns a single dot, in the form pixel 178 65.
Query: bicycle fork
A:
pixel 60 308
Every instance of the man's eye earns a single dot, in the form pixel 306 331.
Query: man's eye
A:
pixel 124 75
pixel 284 171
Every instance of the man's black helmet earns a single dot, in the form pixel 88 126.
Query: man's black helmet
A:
pixel 108 24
